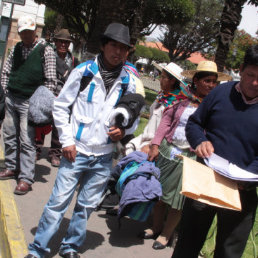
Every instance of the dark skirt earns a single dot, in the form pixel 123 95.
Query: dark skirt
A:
pixel 171 175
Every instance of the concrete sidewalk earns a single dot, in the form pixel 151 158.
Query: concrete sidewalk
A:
pixel 150 84
pixel 104 238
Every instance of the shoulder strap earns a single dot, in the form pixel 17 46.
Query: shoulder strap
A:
pixel 41 49
pixel 124 86
pixel 41 52
pixel 86 78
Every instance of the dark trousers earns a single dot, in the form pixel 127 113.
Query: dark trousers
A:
pixel 55 148
pixel 233 227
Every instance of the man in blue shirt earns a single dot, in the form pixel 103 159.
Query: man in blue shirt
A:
pixel 225 123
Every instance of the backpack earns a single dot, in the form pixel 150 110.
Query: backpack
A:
pixel 63 71
pixel 87 77
pixel 85 81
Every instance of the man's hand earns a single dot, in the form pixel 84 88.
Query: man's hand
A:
pixel 153 153
pixel 204 150
pixel 116 133
pixel 69 153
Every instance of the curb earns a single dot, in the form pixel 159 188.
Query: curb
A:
pixel 12 239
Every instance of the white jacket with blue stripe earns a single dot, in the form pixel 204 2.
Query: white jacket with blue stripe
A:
pixel 91 110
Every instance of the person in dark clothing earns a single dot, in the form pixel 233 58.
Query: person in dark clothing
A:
pixel 65 59
pixel 226 124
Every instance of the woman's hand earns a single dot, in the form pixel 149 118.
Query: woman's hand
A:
pixel 145 148
pixel 153 153
pixel 116 134
pixel 204 149
pixel 69 152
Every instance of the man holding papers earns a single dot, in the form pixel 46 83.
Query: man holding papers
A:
pixel 225 124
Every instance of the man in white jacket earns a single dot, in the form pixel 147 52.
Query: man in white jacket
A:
pixel 82 113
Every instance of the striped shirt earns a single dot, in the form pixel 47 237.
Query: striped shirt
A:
pixel 49 65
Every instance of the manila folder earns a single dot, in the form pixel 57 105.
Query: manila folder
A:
pixel 205 185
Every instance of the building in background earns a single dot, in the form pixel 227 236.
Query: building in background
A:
pixel 195 58
pixel 10 14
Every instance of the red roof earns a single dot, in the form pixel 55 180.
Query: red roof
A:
pixel 156 44
pixel 195 58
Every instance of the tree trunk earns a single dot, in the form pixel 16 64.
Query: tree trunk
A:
pixel 230 19
pixel 125 12
pixel 107 13
pixel 59 22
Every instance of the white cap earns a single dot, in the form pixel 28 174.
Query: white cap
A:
pixel 175 70
pixel 172 68
pixel 26 23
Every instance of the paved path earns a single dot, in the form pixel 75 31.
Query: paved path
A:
pixel 150 84
pixel 104 238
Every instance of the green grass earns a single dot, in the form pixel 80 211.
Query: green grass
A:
pixel 150 96
pixel 149 99
pixel 141 126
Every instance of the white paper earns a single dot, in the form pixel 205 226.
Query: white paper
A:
pixel 227 169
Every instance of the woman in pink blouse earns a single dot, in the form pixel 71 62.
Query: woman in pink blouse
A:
pixel 171 91
pixel 170 140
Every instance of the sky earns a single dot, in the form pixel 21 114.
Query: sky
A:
pixel 249 21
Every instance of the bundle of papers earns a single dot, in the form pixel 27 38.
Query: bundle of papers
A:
pixel 227 169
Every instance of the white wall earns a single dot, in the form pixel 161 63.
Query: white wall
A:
pixel 32 9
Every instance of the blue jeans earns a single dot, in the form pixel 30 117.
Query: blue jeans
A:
pixel 20 151
pixel 92 174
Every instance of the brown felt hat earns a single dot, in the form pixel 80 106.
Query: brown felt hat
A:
pixel 63 34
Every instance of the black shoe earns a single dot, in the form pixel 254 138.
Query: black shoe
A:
pixel 30 256
pixel 110 201
pixel 158 246
pixel 38 153
pixel 112 212
pixel 70 255
pixel 145 235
